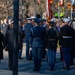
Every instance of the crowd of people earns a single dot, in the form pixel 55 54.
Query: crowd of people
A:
pixel 41 38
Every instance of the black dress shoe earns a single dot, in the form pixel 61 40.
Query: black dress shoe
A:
pixel 20 58
pixel 67 68
pixel 49 68
pixel 10 68
pixel 30 59
pixel 52 69
pixel 35 70
pixel 64 67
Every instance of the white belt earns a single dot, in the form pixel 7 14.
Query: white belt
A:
pixel 51 39
pixel 67 37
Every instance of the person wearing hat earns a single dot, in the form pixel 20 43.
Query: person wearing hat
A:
pixel 66 39
pixel 37 44
pixel 20 38
pixel 44 26
pixel 51 46
pixel 1 45
pixel 27 28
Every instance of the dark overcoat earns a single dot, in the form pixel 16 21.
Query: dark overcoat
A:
pixel 9 39
pixel 1 45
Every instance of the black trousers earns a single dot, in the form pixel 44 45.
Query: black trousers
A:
pixel 10 59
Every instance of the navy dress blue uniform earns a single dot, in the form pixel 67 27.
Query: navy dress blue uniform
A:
pixel 27 29
pixel 20 40
pixel 43 50
pixel 66 42
pixel 37 45
pixel 9 45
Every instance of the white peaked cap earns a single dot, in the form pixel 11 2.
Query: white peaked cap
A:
pixel 32 17
pixel 66 20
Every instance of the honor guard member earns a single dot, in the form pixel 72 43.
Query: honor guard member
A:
pixel 44 26
pixel 27 29
pixel 66 42
pixel 37 44
pixel 20 38
pixel 51 46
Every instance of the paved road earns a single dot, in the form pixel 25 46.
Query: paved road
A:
pixel 25 67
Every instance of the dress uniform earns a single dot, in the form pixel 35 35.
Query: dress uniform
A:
pixel 27 29
pixel 43 26
pixel 20 39
pixel 72 24
pixel 51 46
pixel 37 44
pixel 66 42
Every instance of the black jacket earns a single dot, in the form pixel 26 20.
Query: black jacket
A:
pixel 1 45
pixel 9 39
pixel 66 37
pixel 51 39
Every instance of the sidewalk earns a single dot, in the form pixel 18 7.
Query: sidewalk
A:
pixel 25 67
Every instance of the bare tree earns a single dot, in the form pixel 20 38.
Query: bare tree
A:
pixel 29 7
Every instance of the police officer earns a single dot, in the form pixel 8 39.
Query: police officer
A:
pixel 37 44
pixel 51 46
pixel 27 29
pixel 66 42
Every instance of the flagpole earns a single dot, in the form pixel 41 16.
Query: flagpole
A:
pixel 34 7
pixel 71 8
pixel 58 14
pixel 15 38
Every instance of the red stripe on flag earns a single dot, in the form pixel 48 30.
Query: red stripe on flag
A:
pixel 48 8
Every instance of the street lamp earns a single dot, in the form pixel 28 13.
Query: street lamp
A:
pixel 15 37
pixel 58 13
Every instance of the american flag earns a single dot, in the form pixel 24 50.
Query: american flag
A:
pixel 48 5
pixel 47 8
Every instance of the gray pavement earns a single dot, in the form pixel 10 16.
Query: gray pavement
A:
pixel 25 67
